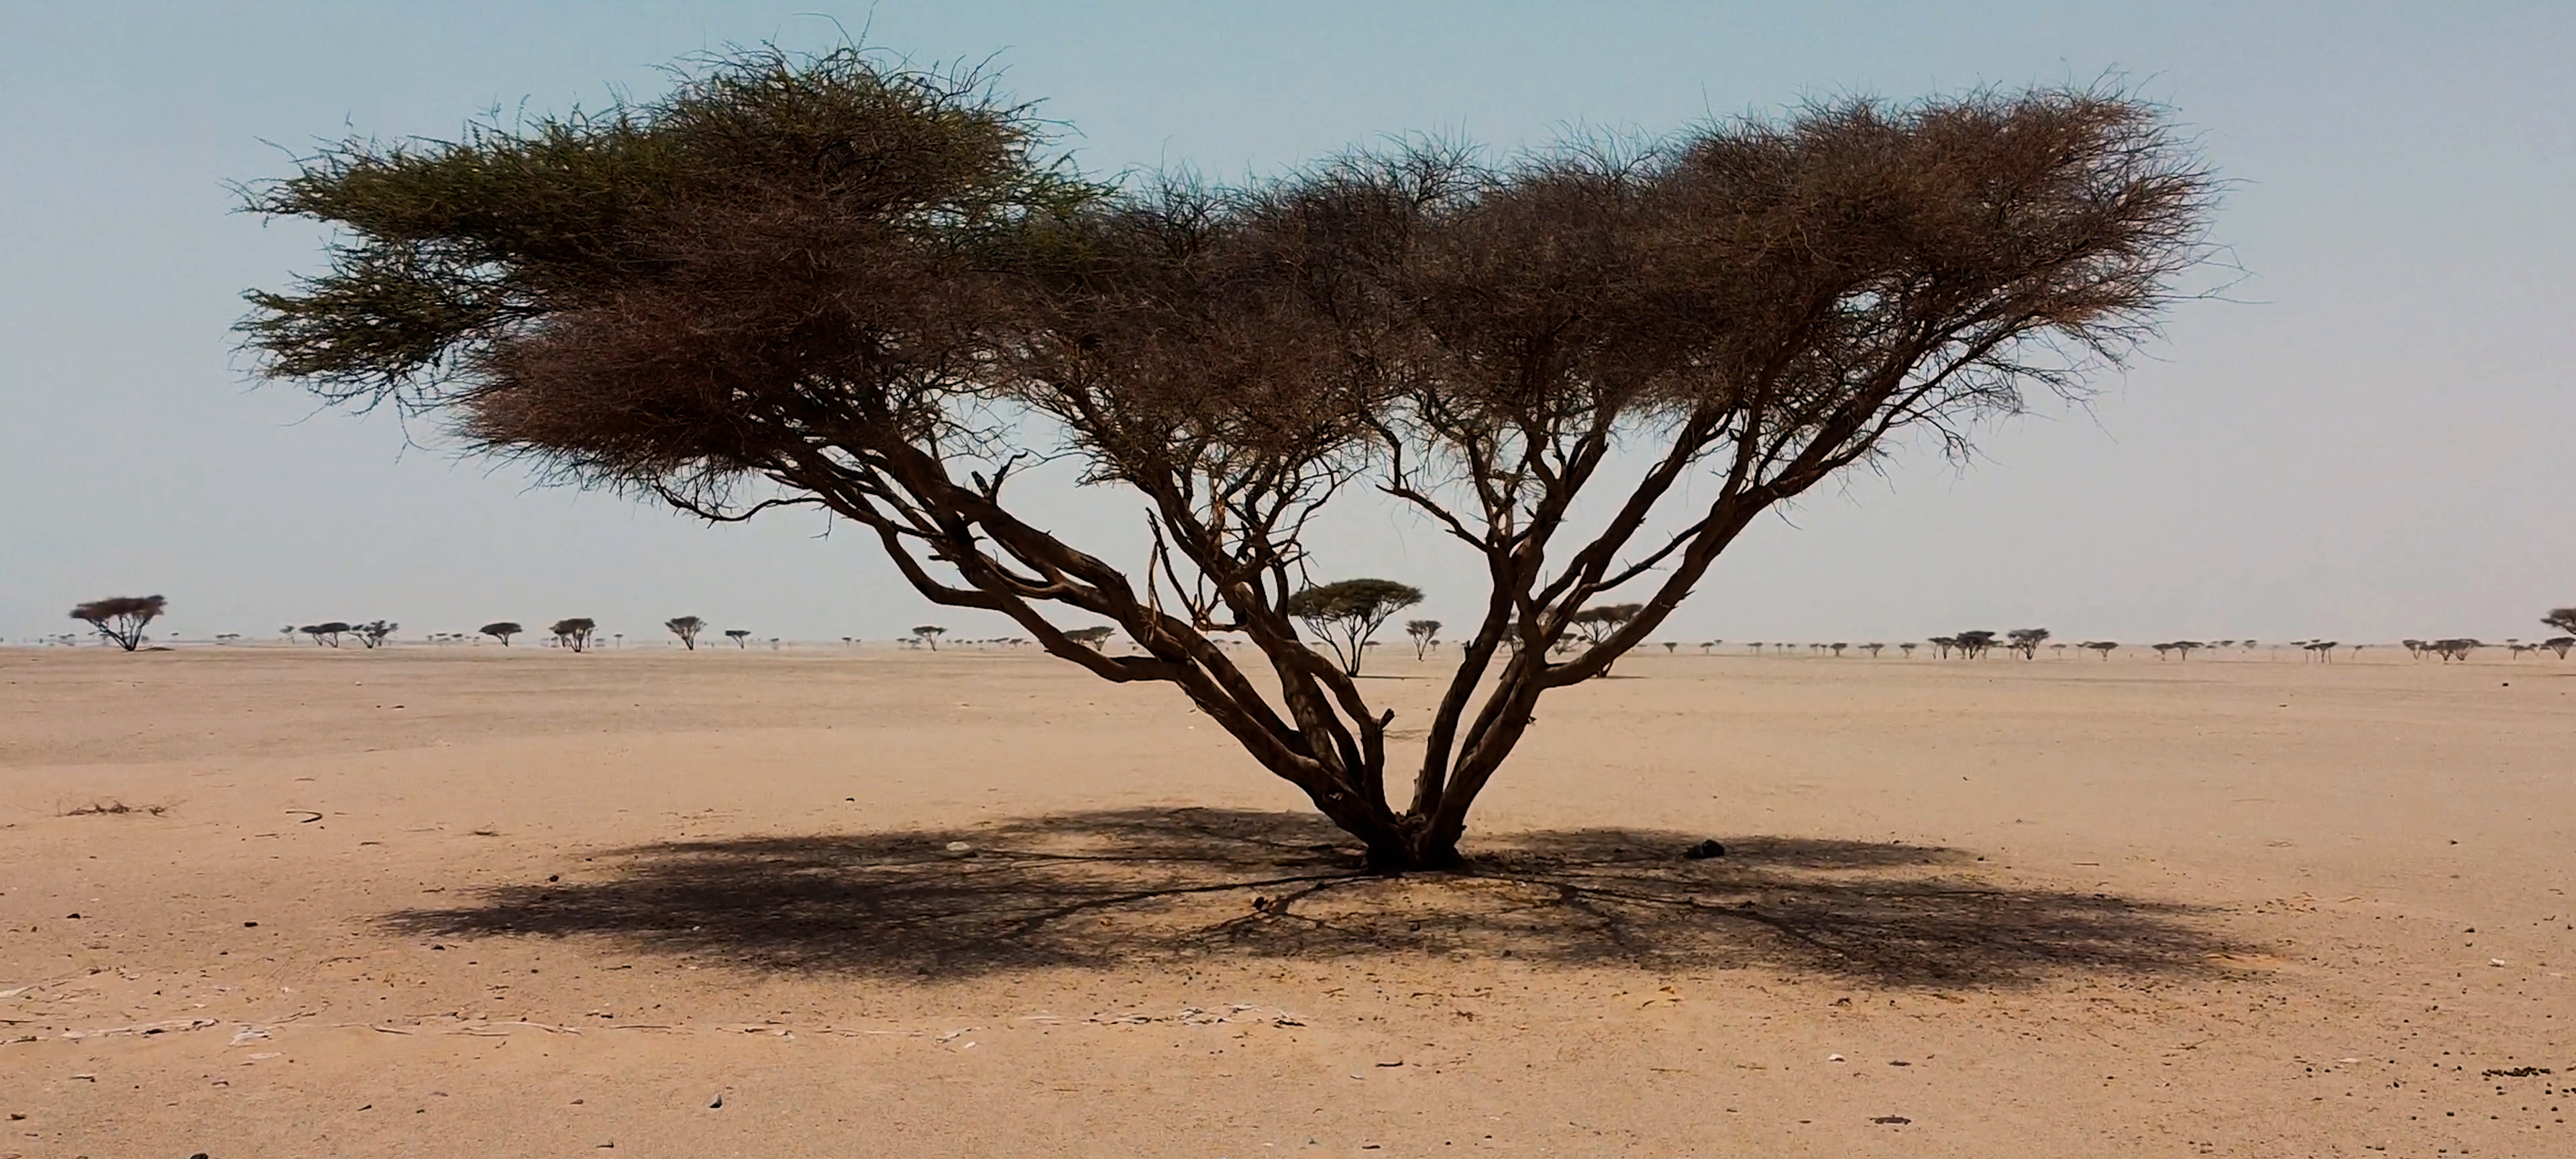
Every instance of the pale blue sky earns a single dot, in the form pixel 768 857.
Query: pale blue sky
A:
pixel 2373 441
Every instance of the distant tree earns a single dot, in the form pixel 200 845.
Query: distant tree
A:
pixel 1096 636
pixel 327 633
pixel 1874 649
pixel 738 635
pixel 574 633
pixel 1345 613
pixel 2563 619
pixel 2323 650
pixel 2102 647
pixel 929 634
pixel 1424 633
pixel 1907 648
pixel 2027 641
pixel 500 630
pixel 1973 645
pixel 120 620
pixel 687 629
pixel 2184 648
pixel 1941 646
pixel 876 287
pixel 2559 644
pixel 1838 649
pixel 226 637
pixel 374 633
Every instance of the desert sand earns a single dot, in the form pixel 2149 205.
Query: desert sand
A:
pixel 440 901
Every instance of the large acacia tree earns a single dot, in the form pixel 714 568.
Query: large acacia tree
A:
pixel 834 282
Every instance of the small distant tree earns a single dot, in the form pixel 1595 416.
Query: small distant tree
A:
pixel 1941 646
pixel 1095 637
pixel 1424 633
pixel 1973 645
pixel 1907 648
pixel 374 633
pixel 1874 649
pixel 326 633
pixel 1838 649
pixel 1345 613
pixel 501 630
pixel 687 629
pixel 929 634
pixel 574 633
pixel 738 636
pixel 2027 641
pixel 2559 645
pixel 2102 647
pixel 120 620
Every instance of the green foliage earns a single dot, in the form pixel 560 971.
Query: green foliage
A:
pixel 453 249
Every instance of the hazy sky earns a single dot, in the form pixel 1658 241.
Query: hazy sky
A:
pixel 2372 440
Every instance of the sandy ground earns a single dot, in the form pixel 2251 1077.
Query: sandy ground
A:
pixel 437 901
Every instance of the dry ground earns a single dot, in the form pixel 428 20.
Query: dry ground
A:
pixel 443 901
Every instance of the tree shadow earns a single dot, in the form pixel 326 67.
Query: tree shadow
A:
pixel 1108 888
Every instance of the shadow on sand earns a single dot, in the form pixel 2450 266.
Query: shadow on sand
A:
pixel 1111 888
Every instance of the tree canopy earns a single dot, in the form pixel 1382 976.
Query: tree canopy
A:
pixel 834 281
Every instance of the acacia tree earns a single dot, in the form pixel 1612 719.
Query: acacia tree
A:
pixel 738 636
pixel 573 633
pixel 2103 647
pixel 2563 619
pixel 838 282
pixel 1972 645
pixel 1345 613
pixel 929 634
pixel 2027 641
pixel 687 629
pixel 326 633
pixel 1424 633
pixel 501 630
pixel 120 619
pixel 1095 637
pixel 374 633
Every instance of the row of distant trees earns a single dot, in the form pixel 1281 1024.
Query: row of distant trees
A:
pixel 1346 615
